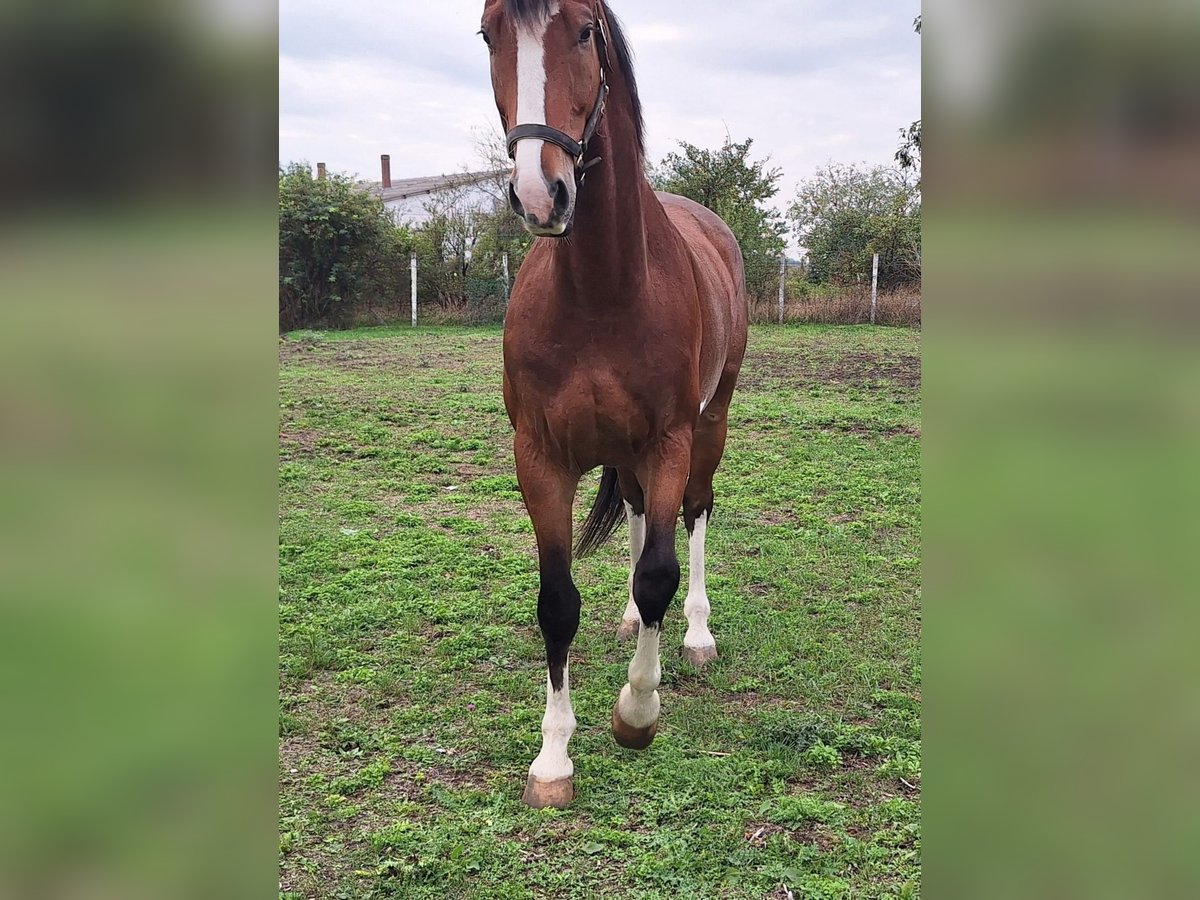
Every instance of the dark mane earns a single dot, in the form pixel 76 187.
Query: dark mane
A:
pixel 527 11
pixel 623 61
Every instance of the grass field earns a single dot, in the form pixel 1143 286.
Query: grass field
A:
pixel 412 670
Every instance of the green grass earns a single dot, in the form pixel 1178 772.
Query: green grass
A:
pixel 412 670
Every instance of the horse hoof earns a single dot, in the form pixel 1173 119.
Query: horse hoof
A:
pixel 628 629
pixel 698 656
pixel 630 737
pixel 557 793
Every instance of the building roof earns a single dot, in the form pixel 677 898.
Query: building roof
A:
pixel 404 188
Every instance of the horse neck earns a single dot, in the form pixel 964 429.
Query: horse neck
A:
pixel 606 254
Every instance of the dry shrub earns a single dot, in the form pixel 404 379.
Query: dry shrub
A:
pixel 851 306
pixel 484 311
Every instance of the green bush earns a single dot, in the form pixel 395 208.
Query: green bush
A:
pixel 338 247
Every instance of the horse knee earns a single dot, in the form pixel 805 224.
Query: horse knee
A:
pixel 558 613
pixel 654 584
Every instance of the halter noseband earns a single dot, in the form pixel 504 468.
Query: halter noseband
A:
pixel 575 149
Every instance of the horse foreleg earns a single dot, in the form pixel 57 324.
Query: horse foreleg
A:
pixel 548 492
pixel 655 581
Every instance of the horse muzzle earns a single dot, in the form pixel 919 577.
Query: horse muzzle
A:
pixel 546 209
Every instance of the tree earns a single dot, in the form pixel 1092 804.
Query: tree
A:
pixel 446 241
pixel 337 247
pixel 846 213
pixel 908 156
pixel 492 152
pixel 737 189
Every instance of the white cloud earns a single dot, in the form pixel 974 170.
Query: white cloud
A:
pixel 810 80
pixel 644 35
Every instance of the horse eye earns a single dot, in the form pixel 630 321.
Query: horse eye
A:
pixel 586 34
pixel 487 40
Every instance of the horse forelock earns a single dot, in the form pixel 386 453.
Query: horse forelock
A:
pixel 529 12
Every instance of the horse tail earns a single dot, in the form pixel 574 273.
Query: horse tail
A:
pixel 608 509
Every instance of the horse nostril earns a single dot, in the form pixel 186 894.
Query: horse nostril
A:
pixel 513 201
pixel 558 192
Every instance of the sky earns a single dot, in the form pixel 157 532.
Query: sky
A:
pixel 810 81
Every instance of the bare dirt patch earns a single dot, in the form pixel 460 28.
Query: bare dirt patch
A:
pixel 887 431
pixel 409 781
pixel 864 368
pixel 765 369
pixel 777 517
pixel 295 442
pixel 852 763
pixel 293 351
pixel 771 369
pixel 816 835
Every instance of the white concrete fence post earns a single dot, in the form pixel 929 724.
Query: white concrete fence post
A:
pixel 782 281
pixel 413 265
pixel 874 284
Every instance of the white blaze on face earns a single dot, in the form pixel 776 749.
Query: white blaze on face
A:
pixel 530 182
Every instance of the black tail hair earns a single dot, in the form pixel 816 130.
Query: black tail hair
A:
pixel 608 510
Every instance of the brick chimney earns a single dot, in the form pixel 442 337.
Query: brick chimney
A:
pixel 321 171
pixel 385 163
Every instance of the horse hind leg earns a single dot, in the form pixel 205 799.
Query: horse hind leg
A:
pixel 699 646
pixel 635 514
pixel 655 581
pixel 635 714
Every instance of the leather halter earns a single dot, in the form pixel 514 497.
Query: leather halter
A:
pixel 575 149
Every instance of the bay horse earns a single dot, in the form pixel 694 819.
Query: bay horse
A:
pixel 624 336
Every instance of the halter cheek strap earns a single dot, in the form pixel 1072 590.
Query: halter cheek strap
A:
pixel 575 149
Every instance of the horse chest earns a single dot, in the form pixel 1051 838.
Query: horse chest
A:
pixel 611 409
